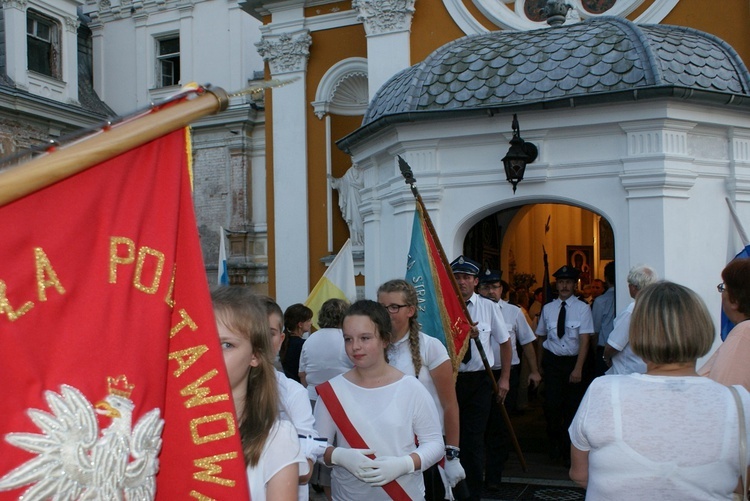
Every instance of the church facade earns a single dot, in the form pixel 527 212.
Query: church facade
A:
pixel 639 110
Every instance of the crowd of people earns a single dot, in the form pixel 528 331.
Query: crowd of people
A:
pixel 367 407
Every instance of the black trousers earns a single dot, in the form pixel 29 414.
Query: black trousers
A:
pixel 497 437
pixel 599 363
pixel 561 398
pixel 474 394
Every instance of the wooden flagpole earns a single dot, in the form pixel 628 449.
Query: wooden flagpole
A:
pixel 65 161
pixel 411 181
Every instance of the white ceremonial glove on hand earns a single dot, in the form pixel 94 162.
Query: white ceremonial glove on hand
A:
pixel 354 460
pixel 454 471
pixel 388 468
pixel 312 447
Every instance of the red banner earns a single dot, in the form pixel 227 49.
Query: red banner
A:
pixel 106 328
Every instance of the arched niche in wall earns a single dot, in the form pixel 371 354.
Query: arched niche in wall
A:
pixel 342 91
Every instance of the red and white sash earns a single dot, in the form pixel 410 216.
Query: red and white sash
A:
pixel 352 436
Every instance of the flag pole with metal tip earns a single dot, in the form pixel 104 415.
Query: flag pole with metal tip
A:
pixel 411 181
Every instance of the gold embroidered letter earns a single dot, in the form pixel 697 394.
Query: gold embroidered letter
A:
pixel 170 298
pixel 186 358
pixel 115 258
pixel 200 393
pixel 229 430
pixel 209 464
pixel 200 497
pixel 6 308
pixel 138 277
pixel 45 275
pixel 185 322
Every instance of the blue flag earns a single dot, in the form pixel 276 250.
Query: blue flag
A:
pixel 440 311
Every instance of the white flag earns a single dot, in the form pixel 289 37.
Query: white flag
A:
pixel 337 282
pixel 222 276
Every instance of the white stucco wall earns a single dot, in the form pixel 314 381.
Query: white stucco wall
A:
pixel 657 170
pixel 217 46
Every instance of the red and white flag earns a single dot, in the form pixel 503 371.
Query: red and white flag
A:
pixel 113 382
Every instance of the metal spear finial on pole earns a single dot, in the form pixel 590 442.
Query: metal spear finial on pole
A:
pixel 412 182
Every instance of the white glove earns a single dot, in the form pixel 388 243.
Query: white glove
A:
pixel 354 460
pixel 388 468
pixel 312 447
pixel 454 471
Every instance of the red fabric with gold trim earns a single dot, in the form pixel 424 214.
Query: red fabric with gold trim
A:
pixel 102 276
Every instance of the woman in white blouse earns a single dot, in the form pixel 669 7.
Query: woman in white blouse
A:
pixel 667 434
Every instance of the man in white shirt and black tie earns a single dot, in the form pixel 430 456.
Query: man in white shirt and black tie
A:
pixel 565 326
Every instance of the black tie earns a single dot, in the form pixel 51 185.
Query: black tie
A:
pixel 467 357
pixel 561 320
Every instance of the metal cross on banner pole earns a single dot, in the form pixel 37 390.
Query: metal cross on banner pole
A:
pixel 411 181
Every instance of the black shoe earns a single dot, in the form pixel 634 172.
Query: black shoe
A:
pixel 493 487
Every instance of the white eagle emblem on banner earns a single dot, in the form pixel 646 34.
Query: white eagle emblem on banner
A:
pixel 74 462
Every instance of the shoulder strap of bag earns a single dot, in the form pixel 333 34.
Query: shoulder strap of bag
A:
pixel 743 439
pixel 352 436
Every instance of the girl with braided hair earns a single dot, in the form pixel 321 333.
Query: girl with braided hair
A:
pixel 417 354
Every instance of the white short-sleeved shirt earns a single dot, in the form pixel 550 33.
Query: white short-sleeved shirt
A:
pixel 491 324
pixel 519 330
pixel 323 357
pixel 280 450
pixel 433 354
pixel 660 437
pixel 387 418
pixel 578 321
pixel 625 361
pixel 294 406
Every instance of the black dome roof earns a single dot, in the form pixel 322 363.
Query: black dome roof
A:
pixel 598 56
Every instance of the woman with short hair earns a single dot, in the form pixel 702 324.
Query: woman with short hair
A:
pixel 667 434
pixel 297 322
pixel 729 365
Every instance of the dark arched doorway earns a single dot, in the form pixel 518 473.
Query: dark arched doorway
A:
pixel 514 240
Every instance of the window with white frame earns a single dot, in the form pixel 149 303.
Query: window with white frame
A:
pixel 168 61
pixel 43 44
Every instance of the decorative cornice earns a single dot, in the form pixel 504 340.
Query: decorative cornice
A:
pixel 384 16
pixel 286 53
pixel 658 184
pixel 14 4
pixel 105 11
